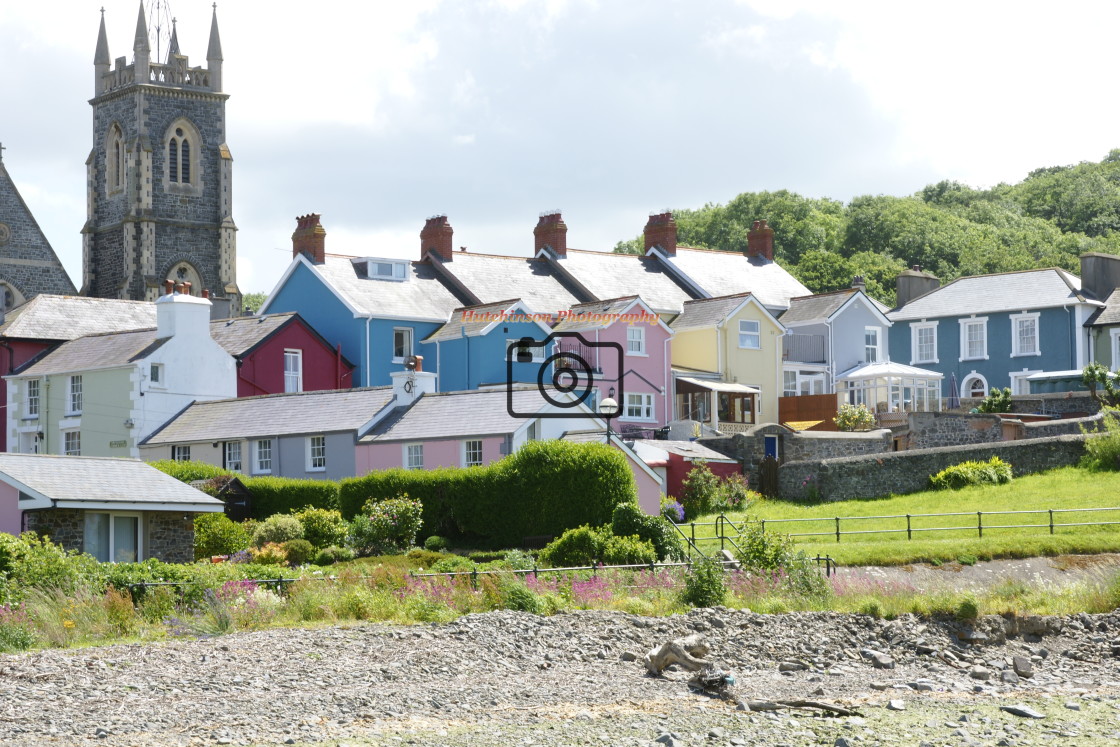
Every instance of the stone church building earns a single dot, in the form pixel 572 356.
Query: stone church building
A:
pixel 159 184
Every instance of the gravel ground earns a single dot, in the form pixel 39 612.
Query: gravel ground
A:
pixel 508 678
pixel 1055 571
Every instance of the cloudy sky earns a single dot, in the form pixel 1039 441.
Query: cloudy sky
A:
pixel 378 114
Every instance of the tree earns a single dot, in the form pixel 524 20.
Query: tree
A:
pixel 253 301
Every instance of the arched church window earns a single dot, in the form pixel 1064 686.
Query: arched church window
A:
pixel 173 159
pixel 184 272
pixel 182 154
pixel 115 159
pixel 9 296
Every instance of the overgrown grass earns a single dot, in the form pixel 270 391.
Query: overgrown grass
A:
pixel 1067 488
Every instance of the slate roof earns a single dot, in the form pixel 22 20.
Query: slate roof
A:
pixel 423 296
pixel 610 275
pixel 458 324
pixel 707 312
pixel 1107 315
pixel 609 306
pixel 99 480
pixel 688 450
pixel 269 415
pixel 95 351
pixel 491 278
pixel 816 307
pixel 241 334
pixel 988 294
pixel 458 415
pixel 729 273
pixel 48 317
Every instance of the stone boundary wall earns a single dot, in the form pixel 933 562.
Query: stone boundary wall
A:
pixel 930 430
pixel 909 471
pixel 1058 403
pixel 1069 427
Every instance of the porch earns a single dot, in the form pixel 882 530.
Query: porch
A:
pixel 726 407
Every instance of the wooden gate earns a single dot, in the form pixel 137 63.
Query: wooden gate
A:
pixel 768 477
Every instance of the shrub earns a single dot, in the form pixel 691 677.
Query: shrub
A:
pixel 278 528
pixel 215 534
pixel 515 595
pixel 424 558
pixel 671 509
pixel 735 494
pixel 454 564
pixel 627 550
pixel 854 418
pixel 189 471
pixel 995 471
pixel 700 492
pixel 298 551
pixel 1102 451
pixel 704 586
pixel 333 554
pixel 271 553
pixel 283 495
pixel 526 494
pixel 386 526
pixel 996 401
pixel 322 527
pixel 519 560
pixel 761 551
pixel 36 562
pixel 576 547
pixel 629 519
pixel 435 543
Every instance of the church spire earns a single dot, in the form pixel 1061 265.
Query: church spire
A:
pixel 173 47
pixel 101 55
pixel 141 42
pixel 214 51
pixel 214 54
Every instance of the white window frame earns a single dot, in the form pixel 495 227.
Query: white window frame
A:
pixel 67 449
pixel 113 535
pixel 875 350
pixel 966 391
pixel 1016 351
pixel 74 395
pixel 412 456
pixel 32 400
pixel 257 459
pixel 408 348
pixel 1114 334
pixel 293 379
pixel 398 271
pixel 1019 383
pixel 965 324
pixel 181 452
pixel 470 454
pixel 233 456
pixel 156 379
pixel 644 405
pixel 316 462
pixel 636 340
pixel 916 329
pixel 536 350
pixel 789 384
pixel 745 334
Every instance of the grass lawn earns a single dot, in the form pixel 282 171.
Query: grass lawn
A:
pixel 886 543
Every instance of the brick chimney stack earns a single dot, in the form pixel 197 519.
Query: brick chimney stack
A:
pixel 858 283
pixel 437 237
pixel 551 231
pixel 661 232
pixel 310 239
pixel 760 241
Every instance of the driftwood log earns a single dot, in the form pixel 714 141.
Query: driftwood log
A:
pixel 709 678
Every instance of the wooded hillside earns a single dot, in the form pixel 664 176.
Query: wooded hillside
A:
pixel 948 228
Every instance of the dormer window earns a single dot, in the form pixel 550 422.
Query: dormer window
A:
pixel 385 270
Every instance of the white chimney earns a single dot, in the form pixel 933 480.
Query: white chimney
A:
pixel 409 385
pixel 181 314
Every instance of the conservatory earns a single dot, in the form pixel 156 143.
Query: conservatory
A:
pixel 891 388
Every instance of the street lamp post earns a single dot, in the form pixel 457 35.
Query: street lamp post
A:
pixel 608 408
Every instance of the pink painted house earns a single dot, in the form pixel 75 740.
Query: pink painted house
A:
pixel 637 373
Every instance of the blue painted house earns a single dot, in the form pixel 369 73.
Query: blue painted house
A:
pixel 378 309
pixel 992 330
pixel 470 350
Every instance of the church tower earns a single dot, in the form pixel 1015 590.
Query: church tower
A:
pixel 159 177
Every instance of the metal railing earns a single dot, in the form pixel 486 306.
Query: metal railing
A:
pixel 721 535
pixel 979 526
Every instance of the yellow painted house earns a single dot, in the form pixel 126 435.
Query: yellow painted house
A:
pixel 727 362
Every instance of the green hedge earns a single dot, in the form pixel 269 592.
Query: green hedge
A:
pixel 282 495
pixel 544 488
pixel 189 471
pixel 995 471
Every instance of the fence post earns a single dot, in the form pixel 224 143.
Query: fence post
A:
pixel 474 578
pixel 1051 521
pixel 534 571
pixel 980 523
pixel 909 535
pixel 837 528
